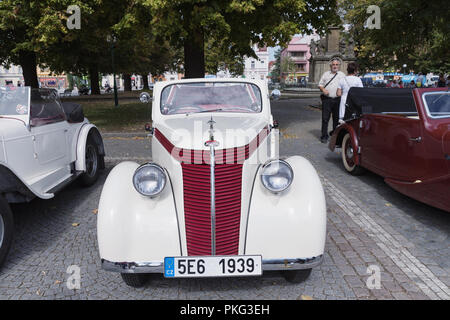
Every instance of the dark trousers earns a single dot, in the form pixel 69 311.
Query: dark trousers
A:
pixel 330 107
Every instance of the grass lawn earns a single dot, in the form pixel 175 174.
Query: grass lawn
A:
pixel 129 116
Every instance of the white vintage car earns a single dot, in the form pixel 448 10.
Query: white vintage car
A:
pixel 44 145
pixel 215 200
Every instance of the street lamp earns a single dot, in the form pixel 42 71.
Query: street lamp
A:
pixel 112 40
pixel 404 68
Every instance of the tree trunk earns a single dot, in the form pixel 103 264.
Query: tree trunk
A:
pixel 145 80
pixel 93 76
pixel 194 55
pixel 127 82
pixel 28 62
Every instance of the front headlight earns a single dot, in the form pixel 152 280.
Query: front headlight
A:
pixel 149 179
pixel 276 175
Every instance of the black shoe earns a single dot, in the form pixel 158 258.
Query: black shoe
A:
pixel 324 139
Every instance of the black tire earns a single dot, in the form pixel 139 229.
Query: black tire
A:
pixel 348 157
pixel 135 280
pixel 93 163
pixel 296 276
pixel 6 229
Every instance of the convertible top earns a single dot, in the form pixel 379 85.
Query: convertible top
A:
pixel 378 100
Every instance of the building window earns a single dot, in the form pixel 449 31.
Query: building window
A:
pixel 301 67
pixel 253 64
pixel 298 54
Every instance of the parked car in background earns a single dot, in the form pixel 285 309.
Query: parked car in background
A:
pixel 432 81
pixel 215 200
pixel 83 90
pixel 44 145
pixel 402 135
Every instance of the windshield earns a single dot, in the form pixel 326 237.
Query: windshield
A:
pixel 438 104
pixel 186 98
pixel 14 101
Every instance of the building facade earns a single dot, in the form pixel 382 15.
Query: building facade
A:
pixel 257 68
pixel 298 52
pixel 11 76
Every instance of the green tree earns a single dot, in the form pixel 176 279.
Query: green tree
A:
pixel 287 66
pixel 27 30
pixel 276 71
pixel 87 50
pixel 412 32
pixel 189 24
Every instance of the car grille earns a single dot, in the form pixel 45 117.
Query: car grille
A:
pixel 197 194
pixel 197 208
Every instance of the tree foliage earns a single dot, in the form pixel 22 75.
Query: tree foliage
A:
pixel 413 32
pixel 190 24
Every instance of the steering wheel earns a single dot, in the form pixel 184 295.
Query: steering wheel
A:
pixel 41 110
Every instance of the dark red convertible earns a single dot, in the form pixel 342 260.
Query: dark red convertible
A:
pixel 402 135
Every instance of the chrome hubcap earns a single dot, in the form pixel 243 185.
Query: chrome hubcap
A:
pixel 2 230
pixel 91 160
pixel 350 153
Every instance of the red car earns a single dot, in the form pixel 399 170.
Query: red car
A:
pixel 402 135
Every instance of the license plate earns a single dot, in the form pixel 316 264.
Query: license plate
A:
pixel 212 266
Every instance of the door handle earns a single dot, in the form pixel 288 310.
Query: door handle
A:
pixel 418 139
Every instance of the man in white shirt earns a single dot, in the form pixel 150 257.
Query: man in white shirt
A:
pixel 344 86
pixel 328 84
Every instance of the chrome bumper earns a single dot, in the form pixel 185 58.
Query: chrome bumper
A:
pixel 158 267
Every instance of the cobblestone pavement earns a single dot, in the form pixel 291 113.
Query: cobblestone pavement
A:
pixel 369 226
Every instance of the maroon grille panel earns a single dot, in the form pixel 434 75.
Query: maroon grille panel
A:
pixel 197 194
pixel 236 155
pixel 197 208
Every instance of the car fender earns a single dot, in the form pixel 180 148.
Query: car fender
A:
pixel 16 189
pixel 338 136
pixel 290 224
pixel 86 131
pixel 132 227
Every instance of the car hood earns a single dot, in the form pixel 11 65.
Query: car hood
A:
pixel 232 130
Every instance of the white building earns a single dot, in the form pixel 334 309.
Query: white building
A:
pixel 257 68
pixel 11 76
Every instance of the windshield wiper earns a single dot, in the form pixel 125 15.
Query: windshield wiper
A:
pixel 203 111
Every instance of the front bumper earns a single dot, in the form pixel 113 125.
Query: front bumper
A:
pixel 158 267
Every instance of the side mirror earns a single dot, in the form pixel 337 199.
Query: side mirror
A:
pixel 275 95
pixel 145 97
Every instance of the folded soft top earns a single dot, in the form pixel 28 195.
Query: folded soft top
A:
pixel 378 100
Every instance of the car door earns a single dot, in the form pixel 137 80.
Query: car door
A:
pixel 49 135
pixel 393 146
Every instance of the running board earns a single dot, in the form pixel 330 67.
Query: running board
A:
pixel 66 182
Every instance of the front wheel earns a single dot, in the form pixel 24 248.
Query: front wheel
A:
pixel 90 176
pixel 135 280
pixel 6 229
pixel 296 276
pixel 348 157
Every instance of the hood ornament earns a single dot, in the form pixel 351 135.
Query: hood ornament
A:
pixel 211 142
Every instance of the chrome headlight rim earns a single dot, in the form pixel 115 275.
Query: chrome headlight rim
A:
pixel 284 163
pixel 160 169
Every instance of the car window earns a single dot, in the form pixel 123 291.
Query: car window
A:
pixel 14 101
pixel 45 107
pixel 438 104
pixel 185 98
